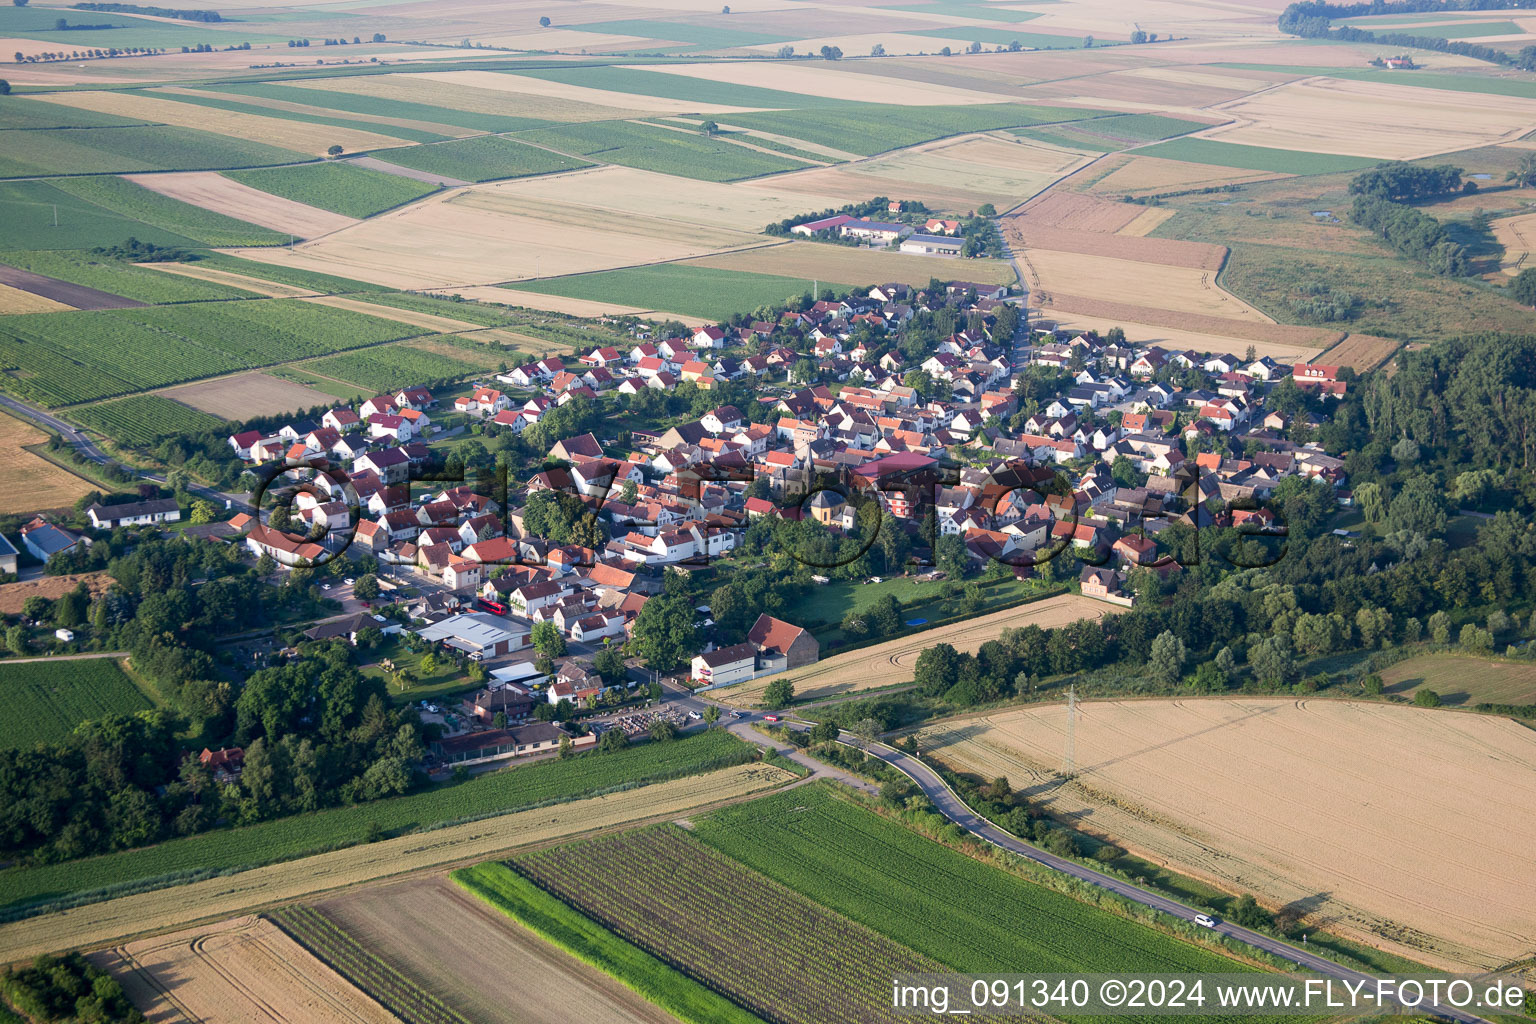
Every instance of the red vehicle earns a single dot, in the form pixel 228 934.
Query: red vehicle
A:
pixel 770 718
pixel 494 607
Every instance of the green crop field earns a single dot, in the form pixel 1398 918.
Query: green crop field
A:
pixel 714 37
pixel 306 117
pixel 62 358
pixel 296 276
pixel 529 785
pixel 135 203
pixel 143 420
pixel 20 112
pixel 871 128
pixel 968 915
pixel 29 209
pixel 679 288
pixel 999 37
pixel 484 158
pixel 979 11
pixel 120 150
pixel 1254 158
pixel 45 700
pixel 338 187
pixel 125 30
pixel 677 87
pixel 651 148
pixel 119 277
pixel 1450 29
pixel 1141 127
pixel 591 943
pixel 766 947
pixel 467 310
pixel 1072 138
pixel 393 366
pixel 358 104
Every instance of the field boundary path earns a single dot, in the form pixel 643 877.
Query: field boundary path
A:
pixel 65 657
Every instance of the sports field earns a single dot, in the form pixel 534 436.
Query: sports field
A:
pixel 890 663
pixel 1369 817
pixel 32 482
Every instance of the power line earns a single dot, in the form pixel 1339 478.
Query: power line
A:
pixel 1069 765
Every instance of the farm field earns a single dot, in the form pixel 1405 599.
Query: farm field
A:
pixel 45 700
pixel 1299 801
pixel 889 663
pixel 245 282
pixel 654 148
pixel 1300 350
pixel 1131 174
pixel 32 482
pixel 859 266
pixel 1362 351
pixel 438 936
pixel 134 282
pixel 393 366
pixel 485 94
pixel 223 194
pixel 136 204
pixel 685 288
pixel 14 300
pixel 483 158
pixel 241 971
pixel 1157 285
pixel 100 923
pixel 1217 153
pixel 1517 235
pixel 641 884
pixel 444 119
pixel 14 595
pixel 1464 680
pixel 547 226
pixel 868 129
pixel 119 150
pixel 355 192
pixel 798 86
pixel 531 785
pixel 941 903
pixel 143 420
pixel 1373 119
pixel 1124 245
pixel 247 395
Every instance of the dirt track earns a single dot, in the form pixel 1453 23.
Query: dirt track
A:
pixel 891 662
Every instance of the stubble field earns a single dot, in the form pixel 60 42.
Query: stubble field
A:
pixel 889 663
pixel 213 191
pixel 247 395
pixel 31 481
pixel 1361 352
pixel 242 971
pixel 1158 285
pixel 441 938
pixel 1373 819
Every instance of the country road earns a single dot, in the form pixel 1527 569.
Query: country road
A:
pixel 88 449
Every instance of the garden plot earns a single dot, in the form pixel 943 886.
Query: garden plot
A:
pixel 1373 818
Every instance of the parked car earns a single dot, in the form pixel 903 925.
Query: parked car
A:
pixel 325 586
pixel 1205 921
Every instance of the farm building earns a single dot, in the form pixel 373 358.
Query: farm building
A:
pixel 8 556
pixel 499 744
pixel 873 231
pixel 477 634
pixel 134 513
pixel 810 227
pixel 932 245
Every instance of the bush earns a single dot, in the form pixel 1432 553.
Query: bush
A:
pixel 1426 699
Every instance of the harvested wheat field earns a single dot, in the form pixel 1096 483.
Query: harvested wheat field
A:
pixel 98 924
pixel 1180 289
pixel 1137 174
pixel 890 663
pixel 299 136
pixel 248 395
pixel 32 483
pixel 1172 252
pixel 1076 213
pixel 385 123
pixel 440 937
pixel 1517 235
pixel 831 83
pixel 1173 338
pixel 1398 825
pixel 1461 680
pixel 1314 339
pixel 15 300
pixel 593 219
pixel 1361 352
pixel 514 87
pixel 1147 221
pixel 14 595
pixel 246 282
pixel 1374 119
pixel 441 90
pixel 242 971
pixel 212 191
pixel 855 266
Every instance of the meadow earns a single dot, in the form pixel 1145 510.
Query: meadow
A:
pixel 529 785
pixel 591 943
pixel 45 700
pixel 966 914
pixel 134 202
pixel 388 367
pixel 644 886
pixel 1254 158
pixel 873 128
pixel 680 288
pixel 1464 681
pixel 652 148
pixel 1248 795
pixel 484 158
pixel 338 187
pixel 143 420
pixel 118 150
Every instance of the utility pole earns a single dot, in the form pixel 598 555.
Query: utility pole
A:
pixel 1069 766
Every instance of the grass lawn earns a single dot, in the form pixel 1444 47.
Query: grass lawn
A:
pixel 1464 681
pixel 45 700
pixel 921 599
pixel 448 678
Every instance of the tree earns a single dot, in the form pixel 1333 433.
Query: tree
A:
pixel 547 639
pixel 202 512
pixel 1524 286
pixel 366 588
pixel 5 87
pixel 266 565
pixel 1524 174
pixel 609 663
pixel 878 50
pixel 1426 699
pixel 988 210
pixel 333 151
pixel 1138 36
pixel 709 128
pixel 786 52
pixel 499 720
pixel 725 10
pixel 567 748
pixel 664 636
pixel 1247 913
pixel 1087 42
pixel 543 23
pixel 778 694
pixel 429 664
pixel 378 37
pixel 711 715
pixel 613 739
pixel 949 555
pixel 19 3
pixel 16 641
pixel 1440 628
pixel 663 730
pixel 1165 663
pixel 831 53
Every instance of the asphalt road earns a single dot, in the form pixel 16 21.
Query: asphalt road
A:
pixel 87 449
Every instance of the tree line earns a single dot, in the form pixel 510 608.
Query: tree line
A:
pixel 157 12
pixel 1380 196
pixel 1312 19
